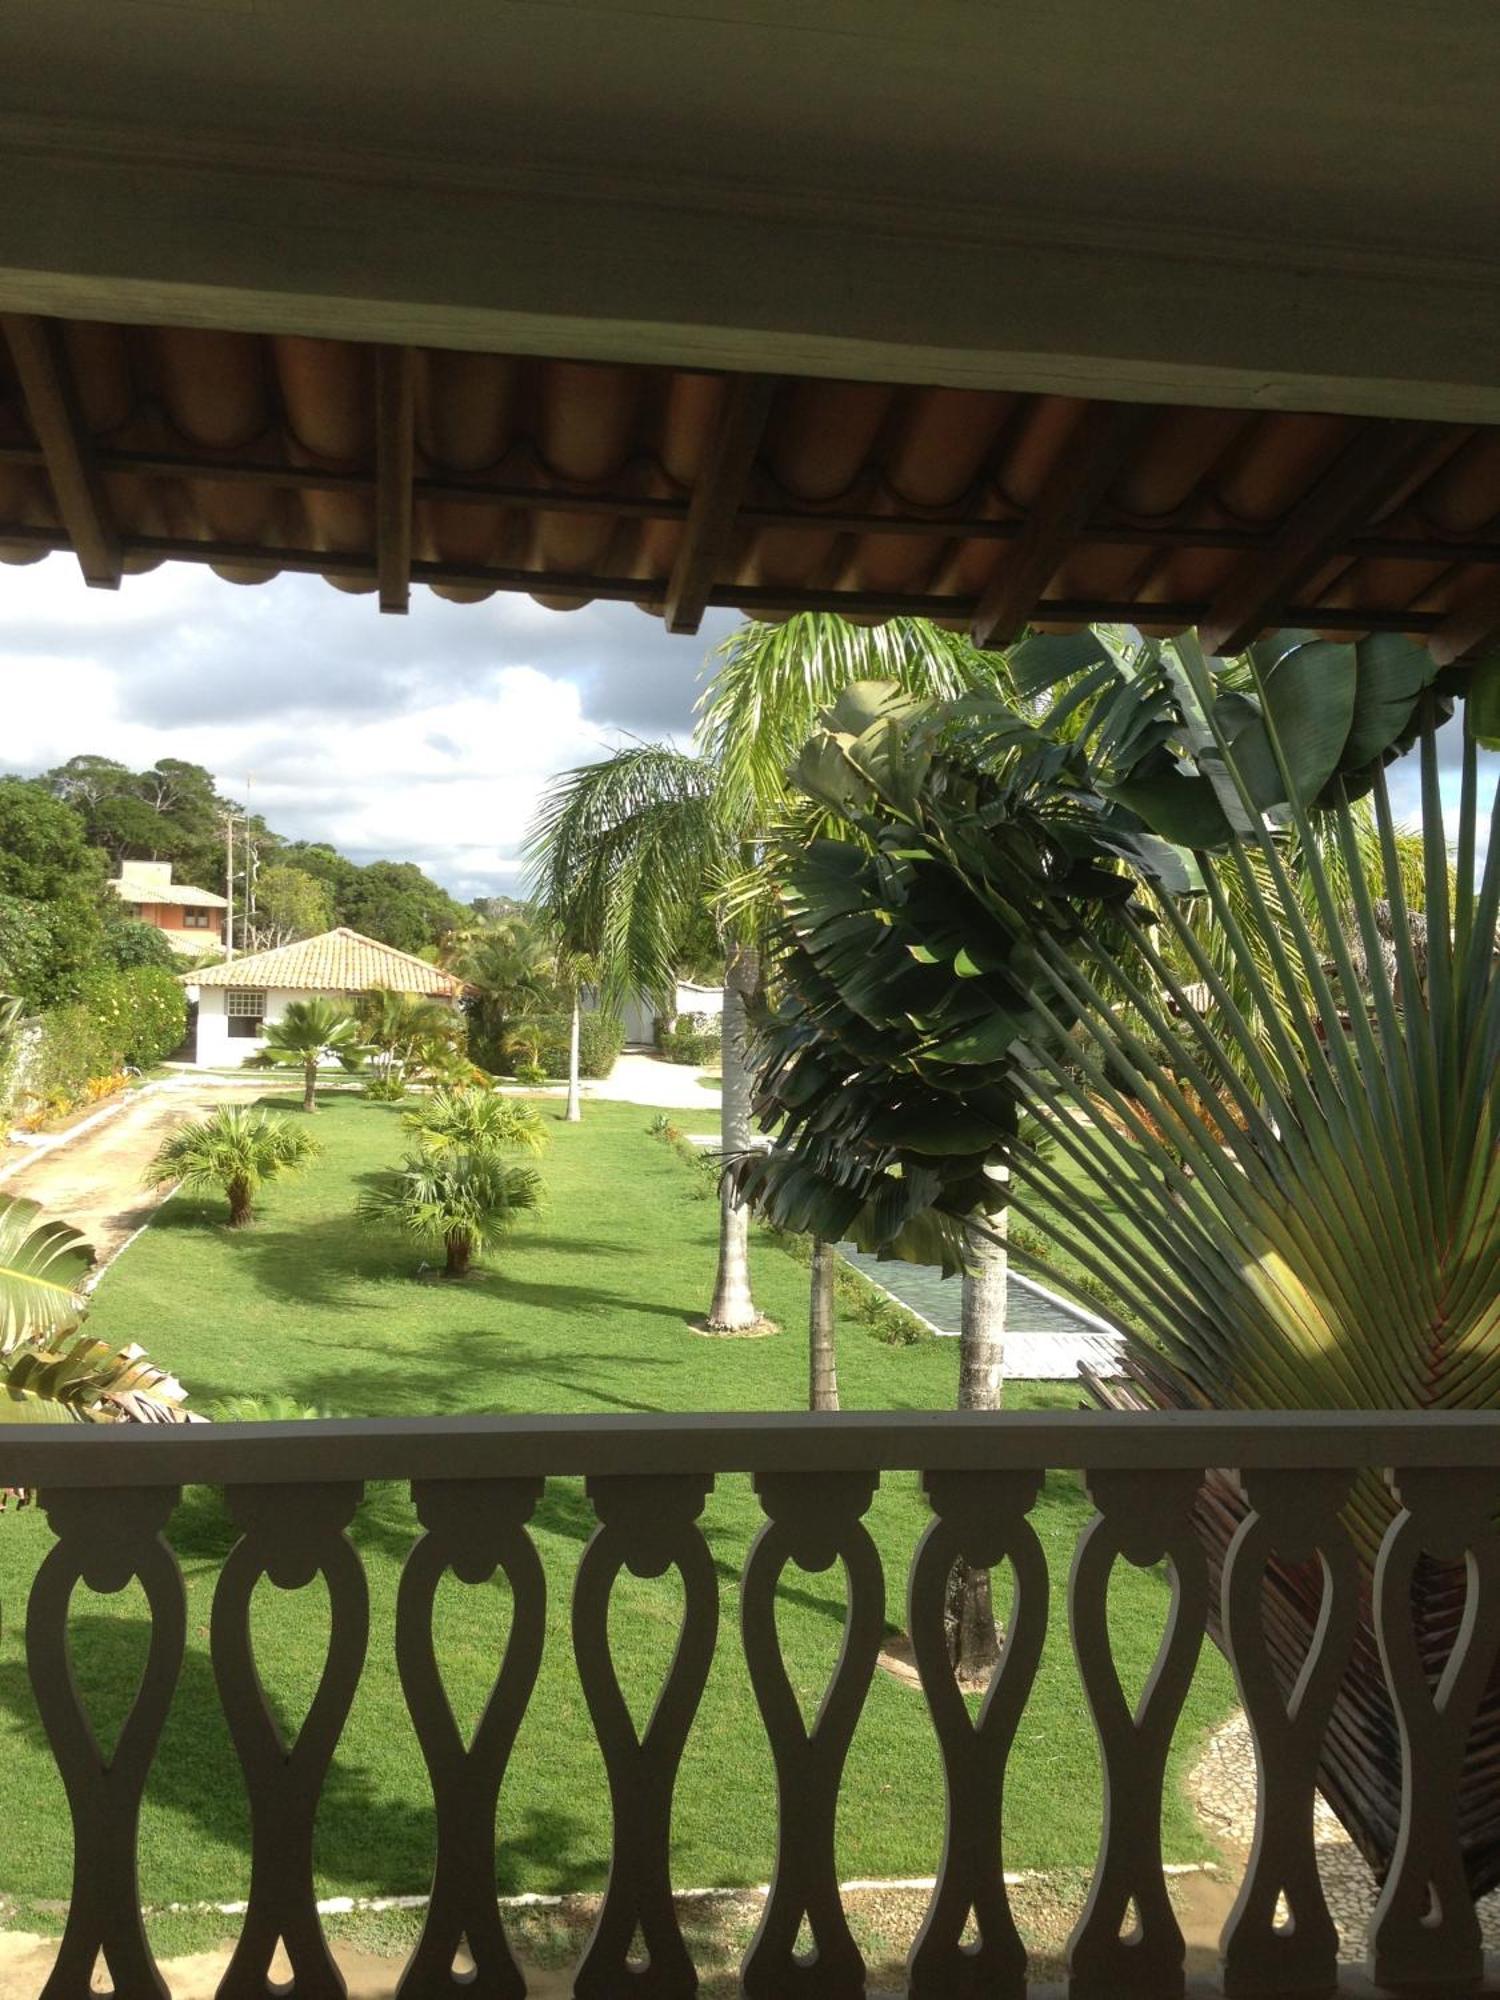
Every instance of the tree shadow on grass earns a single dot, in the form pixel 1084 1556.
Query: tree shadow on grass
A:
pixel 322 1264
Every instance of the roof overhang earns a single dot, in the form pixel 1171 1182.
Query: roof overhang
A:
pixel 681 250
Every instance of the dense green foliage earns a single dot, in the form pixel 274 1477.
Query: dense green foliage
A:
pixel 588 1310
pixel 390 900
pixel 693 1039
pixel 996 960
pixel 600 1040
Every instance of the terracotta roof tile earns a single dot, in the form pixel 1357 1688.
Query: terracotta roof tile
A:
pixel 340 961
pixel 578 480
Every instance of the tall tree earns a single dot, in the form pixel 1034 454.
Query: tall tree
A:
pixel 630 853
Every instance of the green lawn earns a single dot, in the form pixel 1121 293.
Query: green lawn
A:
pixel 588 1308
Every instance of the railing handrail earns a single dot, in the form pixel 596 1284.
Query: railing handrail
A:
pixel 497 1447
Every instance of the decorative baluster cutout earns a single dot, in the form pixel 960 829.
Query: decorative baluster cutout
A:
pixel 1424 1932
pixel 1271 1947
pixel 105 1539
pixel 291 1534
pixel 473 1528
pixel 980 1518
pixel 648 1525
pixel 1146 1517
pixel 814 1521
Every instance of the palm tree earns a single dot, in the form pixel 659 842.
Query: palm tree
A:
pixel 574 970
pixel 822 1360
pixel 458 1202
pixel 306 1032
pixel 408 1033
pixel 50 1372
pixel 509 966
pixel 1308 1188
pixel 629 854
pixel 236 1149
pixel 475 1121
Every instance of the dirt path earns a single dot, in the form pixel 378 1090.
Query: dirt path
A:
pixel 94 1181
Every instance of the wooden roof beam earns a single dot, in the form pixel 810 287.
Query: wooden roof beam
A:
pixel 1371 470
pixel 1104 438
pixel 395 424
pixel 41 364
pixel 709 530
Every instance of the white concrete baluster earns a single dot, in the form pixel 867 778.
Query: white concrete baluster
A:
pixel 647 1525
pixel 815 1520
pixel 980 1519
pixel 1424 1934
pixel 1294 1515
pixel 292 1534
pixel 473 1528
pixel 1146 1517
pixel 105 1539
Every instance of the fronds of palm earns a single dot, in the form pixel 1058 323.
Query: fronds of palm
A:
pixel 768 684
pixel 1282 1151
pixel 83 1380
pixel 309 1031
pixel 473 1121
pixel 42 1268
pixel 233 1151
pixel 627 851
pixel 391 1023
pixel 461 1203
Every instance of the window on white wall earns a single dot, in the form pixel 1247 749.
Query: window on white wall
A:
pixel 246 1013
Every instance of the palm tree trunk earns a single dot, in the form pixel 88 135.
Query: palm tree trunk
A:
pixel 733 1309
pixel 822 1367
pixel 240 1211
pixel 310 1085
pixel 575 1104
pixel 459 1249
pixel 973 1642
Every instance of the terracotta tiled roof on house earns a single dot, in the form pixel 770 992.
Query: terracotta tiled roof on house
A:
pixel 340 961
pixel 677 489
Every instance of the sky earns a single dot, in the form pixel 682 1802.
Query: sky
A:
pixel 426 738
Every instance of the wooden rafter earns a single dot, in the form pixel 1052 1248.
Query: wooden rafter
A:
pixel 42 368
pixel 525 495
pixel 755 600
pixel 1371 470
pixel 1103 440
pixel 395 415
pixel 716 499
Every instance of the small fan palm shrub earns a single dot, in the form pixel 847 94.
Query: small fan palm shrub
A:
pixel 308 1031
pixel 235 1150
pixel 462 1203
pixel 475 1121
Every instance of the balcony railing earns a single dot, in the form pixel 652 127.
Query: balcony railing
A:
pixel 294 1489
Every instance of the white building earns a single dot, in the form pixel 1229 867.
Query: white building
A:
pixel 638 1016
pixel 234 1002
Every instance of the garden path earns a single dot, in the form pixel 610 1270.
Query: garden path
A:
pixel 93 1180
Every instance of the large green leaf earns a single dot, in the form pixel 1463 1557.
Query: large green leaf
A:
pixel 42 1267
pixel 1484 703
pixel 1307 697
pixel 1391 672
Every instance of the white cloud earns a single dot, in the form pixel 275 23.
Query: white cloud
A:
pixel 427 738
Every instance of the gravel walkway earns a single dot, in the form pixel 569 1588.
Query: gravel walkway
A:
pixel 1222 1787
